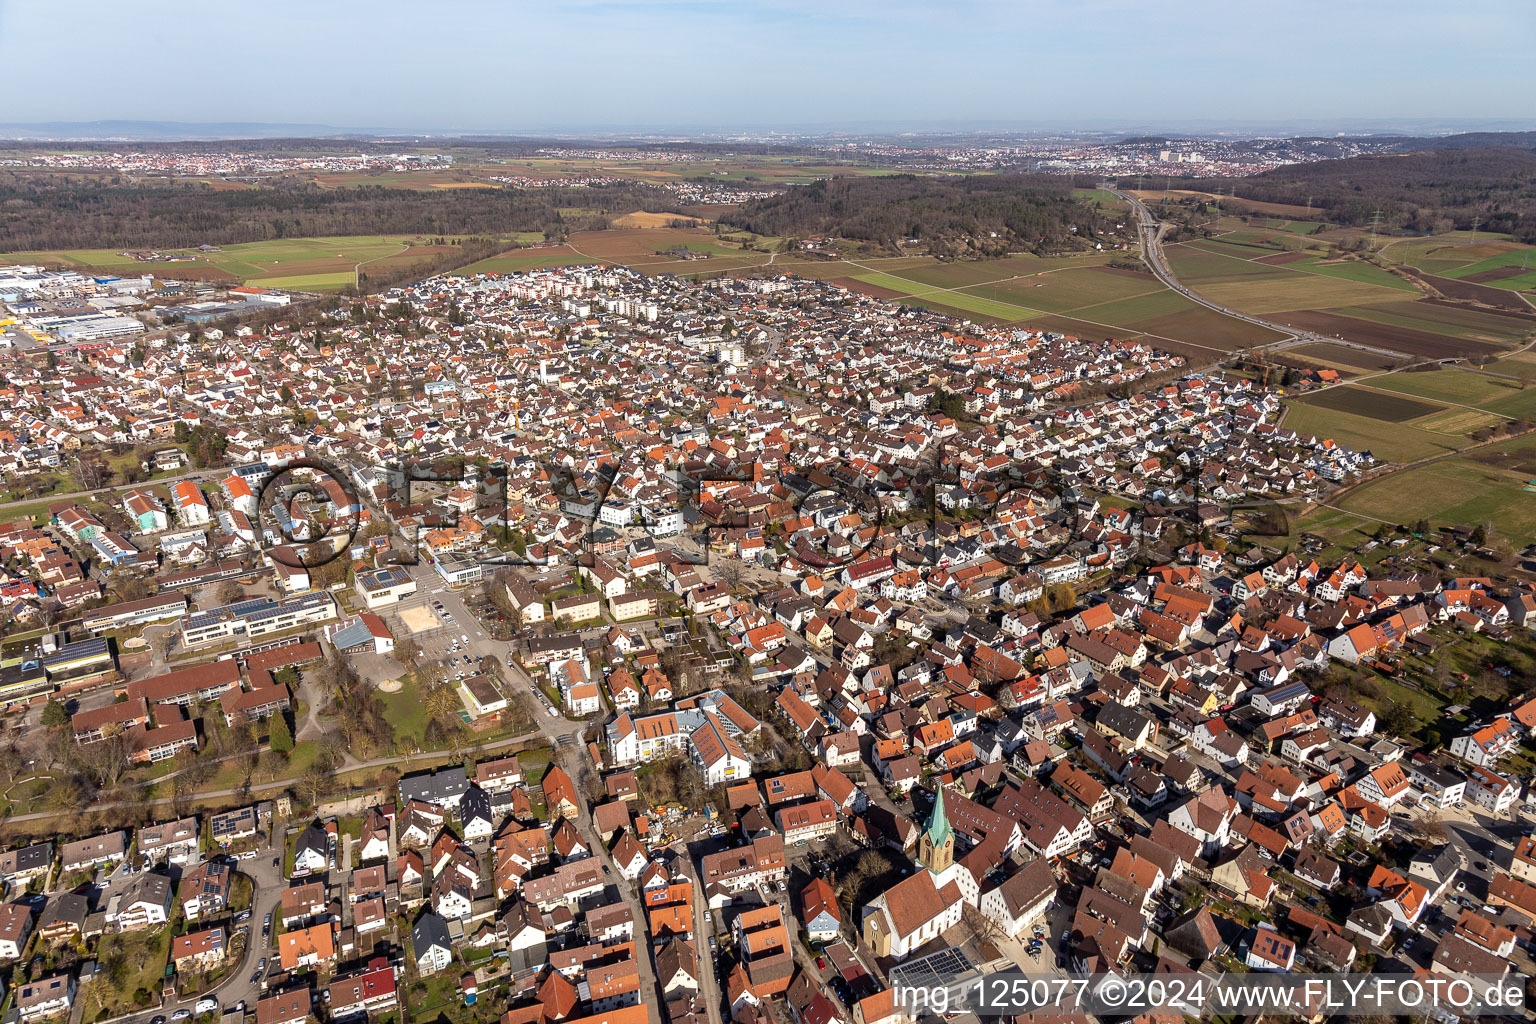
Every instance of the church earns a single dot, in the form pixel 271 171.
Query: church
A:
pixel 927 903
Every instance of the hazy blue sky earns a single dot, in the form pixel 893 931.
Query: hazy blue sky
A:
pixel 476 64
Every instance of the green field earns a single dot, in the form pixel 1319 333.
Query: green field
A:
pixel 1350 270
pixel 1132 310
pixel 319 263
pixel 1391 442
pixel 306 282
pixel 1058 291
pixel 961 301
pixel 1291 291
pixel 1453 321
pixel 1488 485
pixel 1195 265
pixel 1464 387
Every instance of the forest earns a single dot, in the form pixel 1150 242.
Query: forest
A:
pixel 953 216
pixel 1420 193
pixel 65 212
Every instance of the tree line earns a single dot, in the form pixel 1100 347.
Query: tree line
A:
pixel 979 216
pixel 43 212
pixel 1418 193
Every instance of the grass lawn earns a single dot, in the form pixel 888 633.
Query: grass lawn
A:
pixel 406 712
pixel 145 954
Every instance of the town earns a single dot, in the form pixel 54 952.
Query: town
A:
pixel 581 646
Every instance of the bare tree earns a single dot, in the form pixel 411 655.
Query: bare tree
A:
pixel 730 572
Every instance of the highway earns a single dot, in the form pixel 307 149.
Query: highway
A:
pixel 1152 230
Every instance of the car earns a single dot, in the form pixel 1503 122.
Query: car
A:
pixel 606 871
pixel 266 922
pixel 157 1019
pixel 261 964
pixel 553 713
pixel 465 639
pixel 182 1014
pixel 205 1006
pixel 244 915
pixel 821 964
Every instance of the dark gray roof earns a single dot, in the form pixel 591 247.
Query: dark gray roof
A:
pixel 428 931
pixel 444 786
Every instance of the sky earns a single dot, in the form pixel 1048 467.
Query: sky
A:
pixel 466 65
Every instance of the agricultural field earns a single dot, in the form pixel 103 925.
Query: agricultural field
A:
pixel 1407 341
pixel 304 263
pixel 1388 441
pixel 1494 483
pixel 641 219
pixel 1290 290
pixel 1464 387
pixel 1375 405
pixel 1341 357
pixel 528 259
pixel 1074 288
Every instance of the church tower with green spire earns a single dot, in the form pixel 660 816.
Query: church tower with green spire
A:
pixel 936 850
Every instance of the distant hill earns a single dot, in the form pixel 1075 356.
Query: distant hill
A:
pixel 163 131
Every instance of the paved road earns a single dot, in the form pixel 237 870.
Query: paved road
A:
pixel 1152 230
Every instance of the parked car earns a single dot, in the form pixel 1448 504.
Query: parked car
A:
pixel 181 1014
pixel 205 1006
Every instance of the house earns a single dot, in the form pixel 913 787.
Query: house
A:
pixel 307 947
pixel 144 902
pixel 198 951
pixel 52 996
pixel 176 841
pixel 20 867
pixel 819 911
pixel 204 889
pixel 312 852
pixel 371 990
pixel 1485 746
pixel 1021 899
pixel 15 927
pixel 93 852
pixel 287 1007
pixel 430 944
pixel 1268 950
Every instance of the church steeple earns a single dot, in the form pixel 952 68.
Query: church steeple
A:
pixel 937 849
